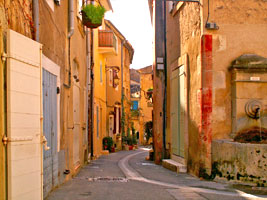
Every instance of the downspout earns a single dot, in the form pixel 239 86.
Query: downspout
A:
pixel 92 89
pixel 88 84
pixel 92 92
pixel 35 5
pixel 165 84
pixel 70 33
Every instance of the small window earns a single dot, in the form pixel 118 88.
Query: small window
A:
pixel 134 105
pixel 97 121
pixel 110 77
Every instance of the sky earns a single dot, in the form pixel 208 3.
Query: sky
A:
pixel 132 18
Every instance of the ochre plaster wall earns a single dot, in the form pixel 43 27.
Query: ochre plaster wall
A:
pixel 56 46
pixel 189 32
pixel 146 83
pixel 15 15
pixel 241 31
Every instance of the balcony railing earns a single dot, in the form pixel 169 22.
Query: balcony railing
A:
pixel 107 41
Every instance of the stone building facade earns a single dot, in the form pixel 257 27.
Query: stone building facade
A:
pixel 203 39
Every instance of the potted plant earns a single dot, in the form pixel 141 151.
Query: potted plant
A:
pixel 92 15
pixel 149 93
pixel 108 143
pixel 148 130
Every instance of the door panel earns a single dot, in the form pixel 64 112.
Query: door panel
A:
pixel 76 129
pixel 2 128
pixel 181 109
pixel 24 111
pixel 174 112
pixel 178 111
pixel 50 131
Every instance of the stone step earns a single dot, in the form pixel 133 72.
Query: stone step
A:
pixel 174 166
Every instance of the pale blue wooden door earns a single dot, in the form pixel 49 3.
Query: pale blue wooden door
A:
pixel 50 157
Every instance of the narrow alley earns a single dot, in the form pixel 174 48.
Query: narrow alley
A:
pixel 127 175
pixel 133 99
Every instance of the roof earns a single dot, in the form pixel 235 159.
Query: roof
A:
pixel 146 70
pixel 127 44
pixel 134 75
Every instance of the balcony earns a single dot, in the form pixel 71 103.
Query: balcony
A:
pixel 107 42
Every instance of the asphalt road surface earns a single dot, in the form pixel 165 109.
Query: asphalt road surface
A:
pixel 126 175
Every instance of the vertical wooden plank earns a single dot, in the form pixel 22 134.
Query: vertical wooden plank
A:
pixel 2 124
pixel 174 112
pixel 53 88
pixel 24 119
pixel 181 110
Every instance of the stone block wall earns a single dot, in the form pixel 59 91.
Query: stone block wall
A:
pixel 240 162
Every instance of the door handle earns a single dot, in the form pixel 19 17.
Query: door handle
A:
pixel 45 143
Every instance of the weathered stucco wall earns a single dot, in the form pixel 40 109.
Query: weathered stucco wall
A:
pixel 240 162
pixel 241 31
pixel 189 17
pixel 146 108
pixel 71 58
pixel 173 53
pixel 15 15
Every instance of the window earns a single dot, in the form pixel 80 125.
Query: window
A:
pixel 110 77
pixel 135 105
pixel 79 8
pixel 111 125
pixel 97 121
pixel 101 79
pixel 117 121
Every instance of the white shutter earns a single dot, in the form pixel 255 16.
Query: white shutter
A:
pixel 24 112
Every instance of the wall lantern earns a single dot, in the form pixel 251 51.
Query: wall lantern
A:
pixel 116 79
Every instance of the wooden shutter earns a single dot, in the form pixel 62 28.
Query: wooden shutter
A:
pixel 24 114
pixel 115 119
pixel 119 119
pixel 113 83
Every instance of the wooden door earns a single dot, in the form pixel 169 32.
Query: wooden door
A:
pixel 174 112
pixel 24 117
pixel 76 120
pixel 178 111
pixel 181 107
pixel 50 158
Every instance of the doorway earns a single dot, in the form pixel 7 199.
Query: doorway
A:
pixel 178 111
pixel 50 156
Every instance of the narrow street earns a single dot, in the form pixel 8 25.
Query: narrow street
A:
pixel 127 175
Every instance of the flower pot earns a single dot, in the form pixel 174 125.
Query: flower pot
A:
pixel 130 147
pixel 87 22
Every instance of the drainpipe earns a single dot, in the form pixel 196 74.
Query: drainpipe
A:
pixel 92 92
pixel 35 5
pixel 88 82
pixel 92 89
pixel 165 84
pixel 71 19
pixel 70 33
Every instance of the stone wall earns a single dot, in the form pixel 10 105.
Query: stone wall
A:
pixel 240 162
pixel 190 34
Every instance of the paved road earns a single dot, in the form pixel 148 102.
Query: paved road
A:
pixel 126 175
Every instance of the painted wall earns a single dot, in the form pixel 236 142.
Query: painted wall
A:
pixel 187 46
pixel 240 162
pixel 210 53
pixel 146 106
pixel 12 17
pixel 57 48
